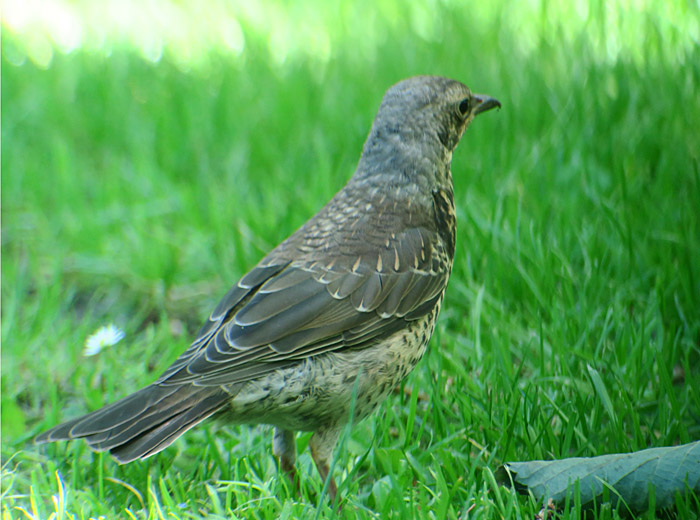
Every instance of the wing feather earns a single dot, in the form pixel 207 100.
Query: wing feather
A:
pixel 282 312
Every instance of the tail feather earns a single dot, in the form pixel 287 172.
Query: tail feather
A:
pixel 166 433
pixel 108 417
pixel 122 412
pixel 173 406
pixel 143 423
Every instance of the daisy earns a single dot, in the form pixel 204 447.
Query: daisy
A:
pixel 101 338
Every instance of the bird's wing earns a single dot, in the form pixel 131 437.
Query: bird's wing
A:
pixel 282 312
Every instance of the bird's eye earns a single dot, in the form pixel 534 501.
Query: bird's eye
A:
pixel 464 107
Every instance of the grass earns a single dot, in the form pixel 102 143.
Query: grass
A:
pixel 137 192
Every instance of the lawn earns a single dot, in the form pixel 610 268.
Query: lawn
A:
pixel 139 185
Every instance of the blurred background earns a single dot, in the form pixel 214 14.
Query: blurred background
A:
pixel 153 151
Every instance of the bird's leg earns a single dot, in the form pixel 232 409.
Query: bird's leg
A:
pixel 285 449
pixel 322 444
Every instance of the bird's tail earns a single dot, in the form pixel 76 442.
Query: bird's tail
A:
pixel 142 423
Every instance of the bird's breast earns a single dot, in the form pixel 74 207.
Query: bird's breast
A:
pixel 445 218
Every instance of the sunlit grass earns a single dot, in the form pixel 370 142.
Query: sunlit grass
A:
pixel 138 184
pixel 187 32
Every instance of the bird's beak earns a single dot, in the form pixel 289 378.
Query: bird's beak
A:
pixel 484 103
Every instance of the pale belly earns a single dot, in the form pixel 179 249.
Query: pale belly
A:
pixel 324 389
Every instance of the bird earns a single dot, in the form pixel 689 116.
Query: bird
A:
pixel 330 321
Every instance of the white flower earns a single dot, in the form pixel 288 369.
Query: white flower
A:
pixel 101 338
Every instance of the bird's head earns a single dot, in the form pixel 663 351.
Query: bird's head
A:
pixel 419 122
pixel 430 106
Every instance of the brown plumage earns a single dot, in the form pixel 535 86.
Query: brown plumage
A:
pixel 341 310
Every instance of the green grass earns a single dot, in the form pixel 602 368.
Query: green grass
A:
pixel 136 193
